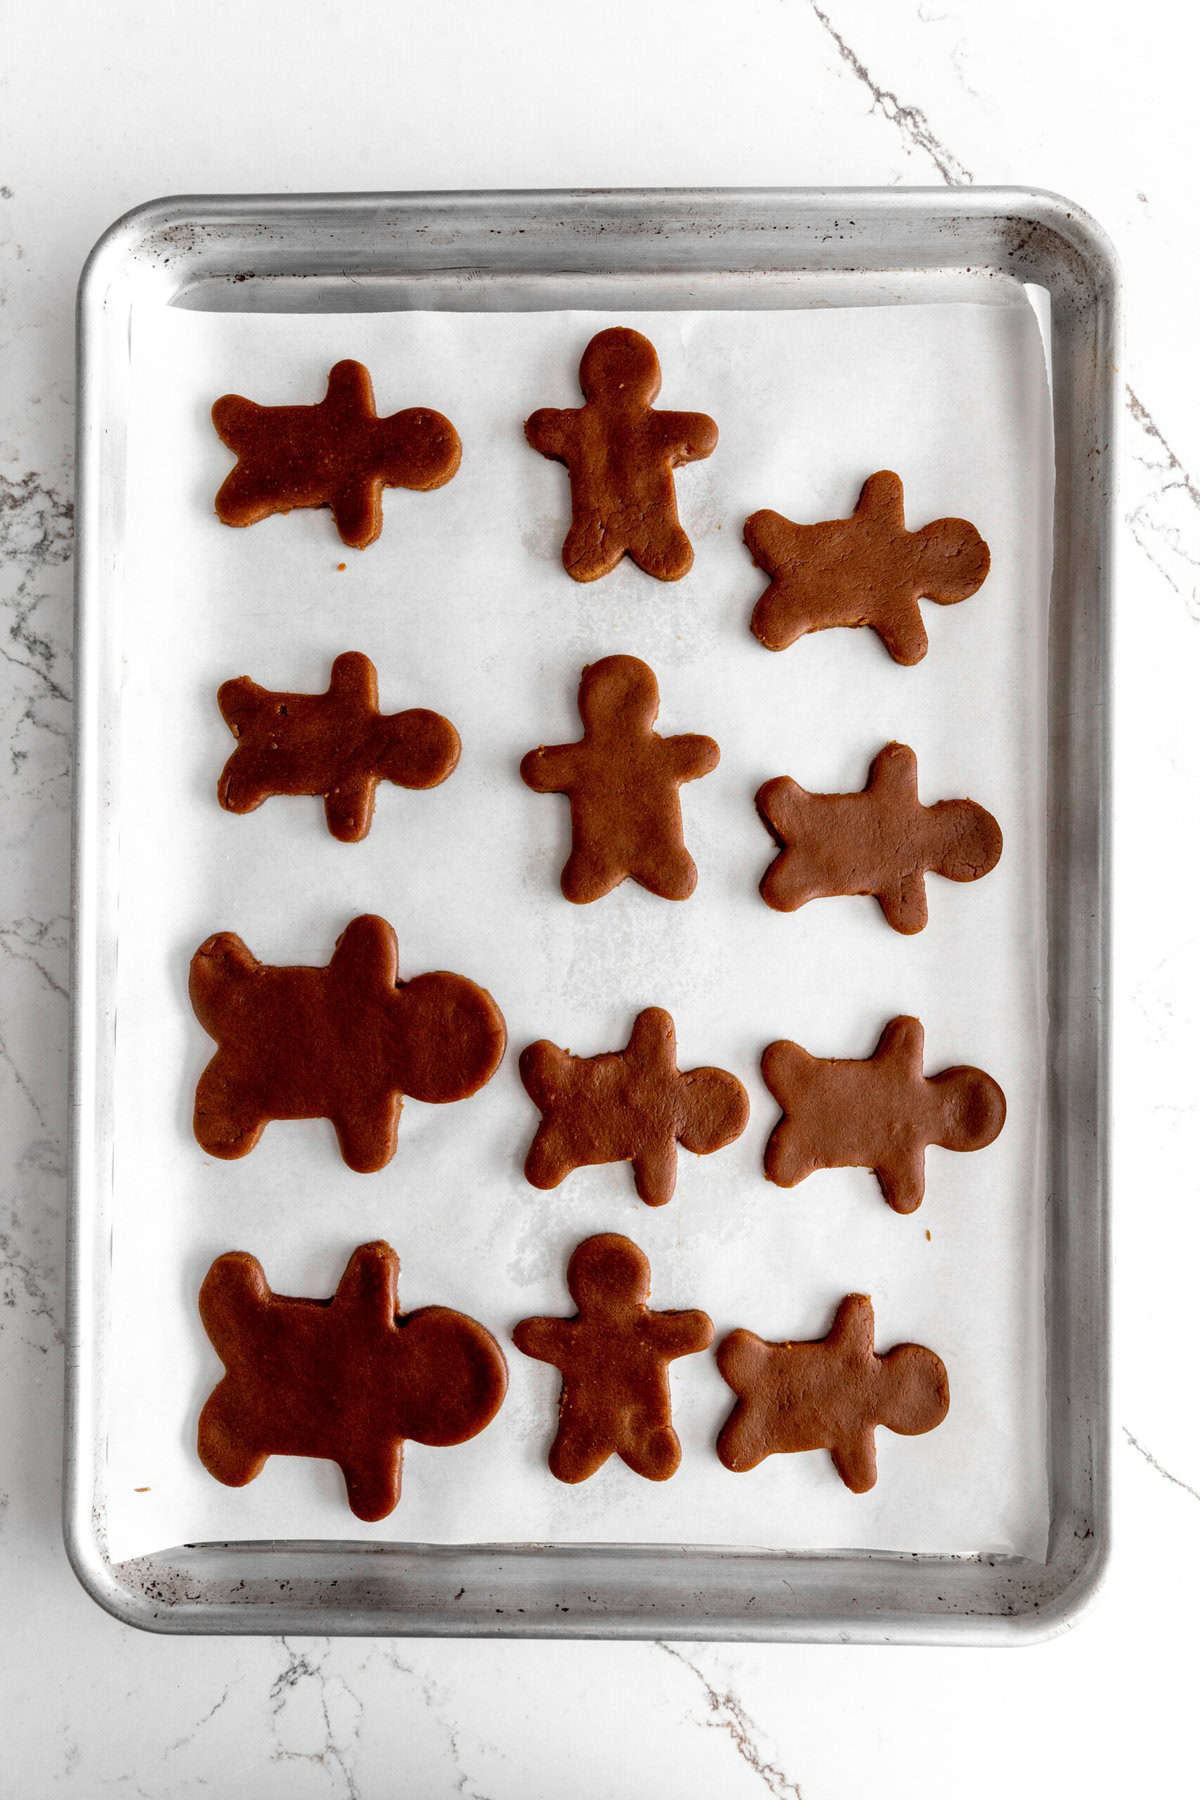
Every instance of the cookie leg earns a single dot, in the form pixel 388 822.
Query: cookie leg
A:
pixel 590 549
pixel 656 1453
pixel 220 1440
pixel 665 553
pixel 588 874
pixel 572 1461
pixel 672 875
pixel 226 1122
pixel 349 808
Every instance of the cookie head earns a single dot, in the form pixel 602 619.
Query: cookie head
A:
pixel 606 1272
pixel 914 1390
pixel 618 695
pixel 973 1109
pixel 952 560
pixel 421 749
pixel 620 367
pixel 458 1368
pixel 449 1037
pixel 716 1109
pixel 972 840
pixel 417 448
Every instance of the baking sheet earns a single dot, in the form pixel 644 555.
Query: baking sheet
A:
pixel 463 606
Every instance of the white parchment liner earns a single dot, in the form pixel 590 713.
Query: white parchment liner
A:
pixel 464 607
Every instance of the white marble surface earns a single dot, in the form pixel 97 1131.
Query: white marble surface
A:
pixel 106 106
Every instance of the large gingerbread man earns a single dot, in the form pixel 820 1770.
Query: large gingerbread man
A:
pixel 348 1378
pixel 633 1105
pixel 880 1114
pixel 829 1394
pixel 344 1043
pixel 614 1356
pixel 623 783
pixel 620 454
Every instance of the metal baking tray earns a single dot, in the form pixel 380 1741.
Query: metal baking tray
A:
pixel 513 251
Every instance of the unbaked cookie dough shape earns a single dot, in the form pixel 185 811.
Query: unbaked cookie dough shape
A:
pixel 881 841
pixel 614 1356
pixel 633 1105
pixel 347 1379
pixel 338 453
pixel 830 1394
pixel 867 570
pixel 881 1114
pixel 336 746
pixel 346 1042
pixel 620 455
pixel 623 782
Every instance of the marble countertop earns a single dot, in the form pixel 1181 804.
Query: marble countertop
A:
pixel 106 107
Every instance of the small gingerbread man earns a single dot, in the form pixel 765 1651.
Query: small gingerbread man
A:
pixel 613 1356
pixel 632 1105
pixel 338 453
pixel 336 745
pixel 881 841
pixel 881 1114
pixel 623 783
pixel 865 570
pixel 620 454
pixel 828 1394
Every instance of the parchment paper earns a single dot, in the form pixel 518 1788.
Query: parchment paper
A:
pixel 464 607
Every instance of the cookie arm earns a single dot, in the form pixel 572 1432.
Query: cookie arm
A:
pixel 692 756
pixel 854 1459
pixel 680 1333
pixel 685 437
pixel 372 1478
pixel 551 431
pixel 904 903
pixel 550 769
pixel 350 807
pixel 654 1172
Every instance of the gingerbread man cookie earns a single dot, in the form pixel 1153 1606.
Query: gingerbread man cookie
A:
pixel 632 1105
pixel 344 1043
pixel 619 453
pixel 338 454
pixel 347 1379
pixel 613 1356
pixel 881 1114
pixel 337 745
pixel 623 783
pixel 880 841
pixel 864 570
pixel 828 1395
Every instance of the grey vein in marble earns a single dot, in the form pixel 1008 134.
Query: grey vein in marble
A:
pixel 729 1715
pixel 910 121
pixel 290 1690
pixel 1155 1464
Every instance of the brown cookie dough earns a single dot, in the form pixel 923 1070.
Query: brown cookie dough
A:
pixel 613 1356
pixel 347 1379
pixel 864 570
pixel 338 453
pixel 881 841
pixel 619 454
pixel 337 745
pixel 828 1395
pixel 343 1043
pixel 623 783
pixel 630 1105
pixel 881 1114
